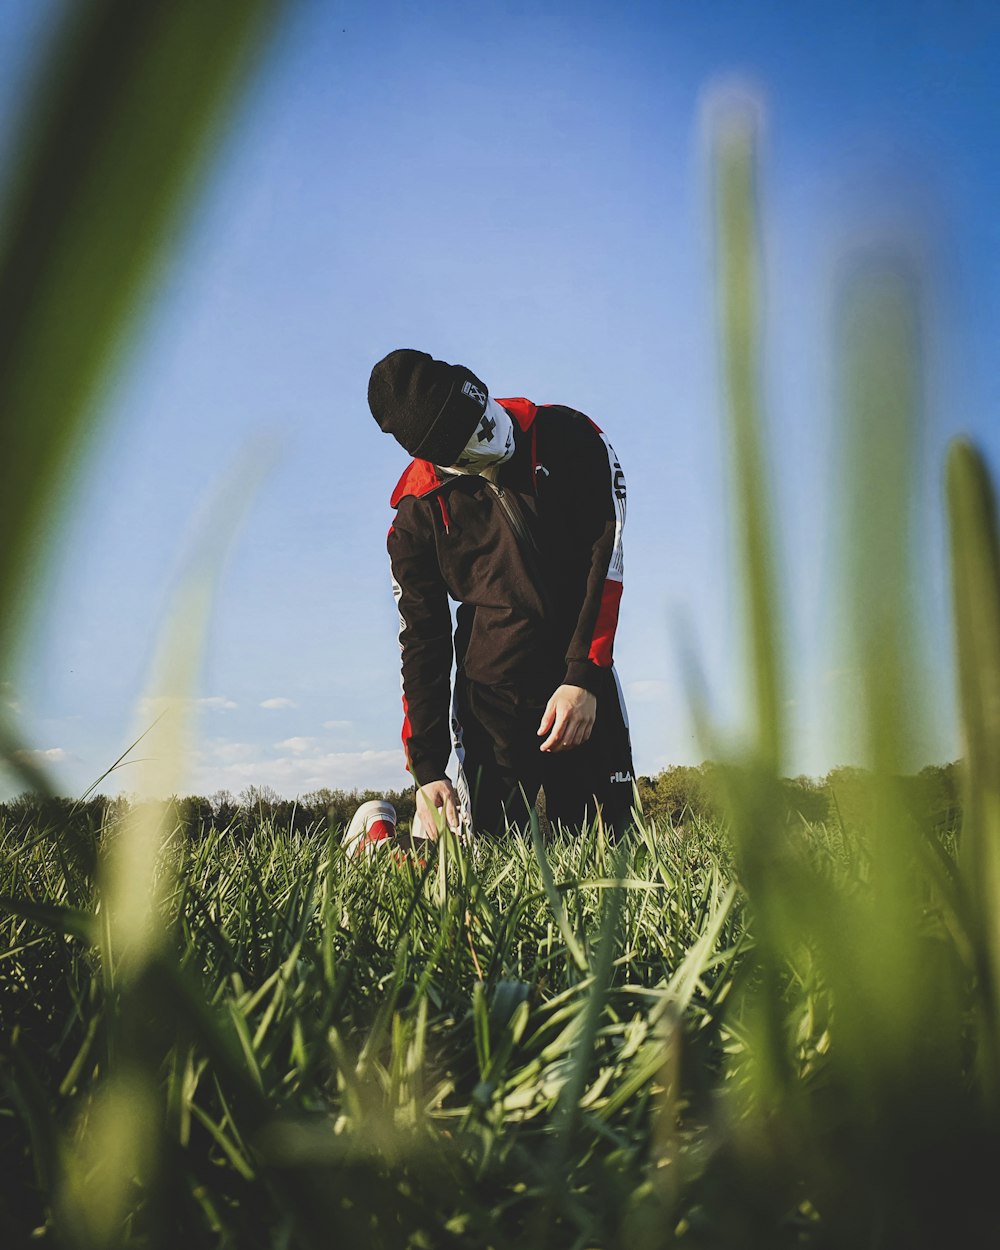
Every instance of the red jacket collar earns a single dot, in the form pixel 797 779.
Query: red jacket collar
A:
pixel 420 476
pixel 522 410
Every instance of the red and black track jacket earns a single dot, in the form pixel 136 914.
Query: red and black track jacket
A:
pixel 528 625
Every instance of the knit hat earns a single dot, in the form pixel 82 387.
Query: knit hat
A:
pixel 430 407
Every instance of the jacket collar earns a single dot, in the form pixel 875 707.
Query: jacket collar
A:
pixel 420 477
pixel 522 410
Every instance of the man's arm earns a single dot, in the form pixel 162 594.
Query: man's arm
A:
pixel 425 642
pixel 602 489
pixel 569 716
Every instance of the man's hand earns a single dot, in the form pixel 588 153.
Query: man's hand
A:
pixel 432 798
pixel 570 715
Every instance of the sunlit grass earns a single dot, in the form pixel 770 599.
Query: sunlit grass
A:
pixel 363 1025
pixel 754 1031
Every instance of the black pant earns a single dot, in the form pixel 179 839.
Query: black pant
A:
pixel 501 767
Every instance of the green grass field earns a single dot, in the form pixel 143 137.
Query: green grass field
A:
pixel 758 1032
pixel 498 1049
pixel 527 1043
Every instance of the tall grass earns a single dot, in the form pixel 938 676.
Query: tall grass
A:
pixel 887 968
pixel 757 1033
pixel 342 1053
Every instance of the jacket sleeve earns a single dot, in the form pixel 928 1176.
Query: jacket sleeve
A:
pixel 425 642
pixel 602 494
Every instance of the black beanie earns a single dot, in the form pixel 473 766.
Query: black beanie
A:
pixel 430 407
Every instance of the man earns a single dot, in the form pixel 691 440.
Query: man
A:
pixel 516 512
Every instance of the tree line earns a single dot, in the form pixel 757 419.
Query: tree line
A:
pixel 239 813
pixel 682 793
pixel 676 796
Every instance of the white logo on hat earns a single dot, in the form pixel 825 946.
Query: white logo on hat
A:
pixel 474 392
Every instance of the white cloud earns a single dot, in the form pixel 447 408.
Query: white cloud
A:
pixel 343 770
pixel 219 749
pixel 338 726
pixel 53 755
pixel 155 705
pixel 298 745
pixel 233 766
pixel 273 704
pixel 216 703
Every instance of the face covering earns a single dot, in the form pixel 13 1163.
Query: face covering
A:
pixel 491 444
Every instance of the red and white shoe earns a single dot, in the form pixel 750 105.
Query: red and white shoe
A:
pixel 373 826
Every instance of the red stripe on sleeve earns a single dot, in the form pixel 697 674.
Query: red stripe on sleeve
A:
pixel 607 623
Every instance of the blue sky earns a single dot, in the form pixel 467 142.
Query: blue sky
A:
pixel 521 187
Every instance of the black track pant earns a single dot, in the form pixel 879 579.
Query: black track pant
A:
pixel 501 767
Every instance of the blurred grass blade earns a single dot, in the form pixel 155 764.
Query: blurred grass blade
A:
pixel 752 792
pixel 892 994
pixel 113 1160
pixel 121 122
pixel 134 881
pixel 69 920
pixel 738 281
pixel 880 371
pixel 97 1187
pixel 975 571
pixel 975 556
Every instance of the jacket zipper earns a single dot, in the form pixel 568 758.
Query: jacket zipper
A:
pixel 525 540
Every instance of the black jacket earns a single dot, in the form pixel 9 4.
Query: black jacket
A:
pixel 533 614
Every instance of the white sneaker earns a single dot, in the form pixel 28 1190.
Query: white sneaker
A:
pixel 372 826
